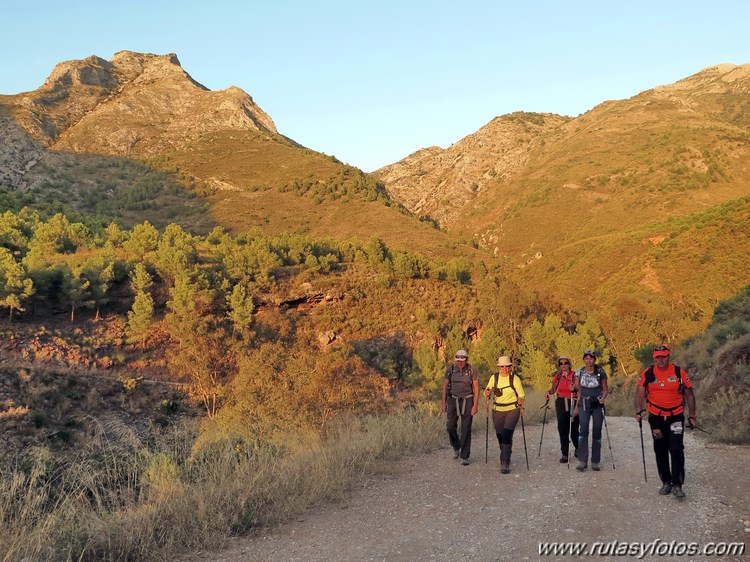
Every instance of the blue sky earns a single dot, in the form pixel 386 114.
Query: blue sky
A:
pixel 372 81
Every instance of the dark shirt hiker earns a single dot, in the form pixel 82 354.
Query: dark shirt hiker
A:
pixel 460 400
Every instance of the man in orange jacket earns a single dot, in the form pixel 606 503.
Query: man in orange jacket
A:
pixel 664 387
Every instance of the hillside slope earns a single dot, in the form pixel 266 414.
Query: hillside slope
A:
pixel 635 211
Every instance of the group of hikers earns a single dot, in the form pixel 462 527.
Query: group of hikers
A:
pixel 580 397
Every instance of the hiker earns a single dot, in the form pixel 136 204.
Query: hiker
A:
pixel 591 386
pixel 664 387
pixel 507 407
pixel 460 400
pixel 562 387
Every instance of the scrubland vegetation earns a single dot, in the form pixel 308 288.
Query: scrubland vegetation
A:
pixel 301 363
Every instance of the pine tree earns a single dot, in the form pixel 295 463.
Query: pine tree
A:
pixel 15 285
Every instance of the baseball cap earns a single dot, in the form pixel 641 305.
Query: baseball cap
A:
pixel 461 354
pixel 589 352
pixel 661 351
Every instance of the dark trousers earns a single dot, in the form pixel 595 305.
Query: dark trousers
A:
pixel 504 424
pixel 586 413
pixel 669 445
pixel 568 431
pixel 464 413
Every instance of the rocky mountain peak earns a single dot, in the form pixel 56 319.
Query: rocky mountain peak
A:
pixel 136 103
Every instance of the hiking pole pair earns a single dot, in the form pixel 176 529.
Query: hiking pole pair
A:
pixel 609 443
pixel 544 421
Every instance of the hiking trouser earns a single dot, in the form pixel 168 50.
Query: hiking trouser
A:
pixel 568 431
pixel 585 414
pixel 504 424
pixel 669 445
pixel 460 408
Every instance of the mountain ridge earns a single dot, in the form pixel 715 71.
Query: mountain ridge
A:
pixel 147 108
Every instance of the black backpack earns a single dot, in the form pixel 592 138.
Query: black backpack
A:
pixel 453 370
pixel 497 380
pixel 651 378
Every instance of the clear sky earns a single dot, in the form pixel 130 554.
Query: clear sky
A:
pixel 372 81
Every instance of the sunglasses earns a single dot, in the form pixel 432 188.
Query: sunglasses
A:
pixel 564 363
pixel 661 348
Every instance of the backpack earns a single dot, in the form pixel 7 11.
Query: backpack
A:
pixel 651 377
pixel 513 388
pixel 557 377
pixel 450 375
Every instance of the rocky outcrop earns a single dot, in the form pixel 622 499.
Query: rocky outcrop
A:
pixel 18 152
pixel 439 183
pixel 134 104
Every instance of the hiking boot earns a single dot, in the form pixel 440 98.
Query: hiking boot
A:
pixel 464 462
pixel 504 468
pixel 563 459
pixel 677 491
pixel 456 452
pixel 581 466
pixel 665 490
pixel 595 466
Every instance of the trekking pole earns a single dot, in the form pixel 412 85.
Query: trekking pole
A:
pixel 570 427
pixel 544 421
pixel 691 427
pixel 643 452
pixel 609 443
pixel 523 431
pixel 487 432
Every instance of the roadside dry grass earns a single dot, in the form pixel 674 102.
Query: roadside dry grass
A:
pixel 151 499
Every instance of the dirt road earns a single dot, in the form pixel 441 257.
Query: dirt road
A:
pixel 429 507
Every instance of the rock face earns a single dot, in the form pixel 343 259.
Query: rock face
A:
pixel 136 103
pixel 438 183
pixel 18 152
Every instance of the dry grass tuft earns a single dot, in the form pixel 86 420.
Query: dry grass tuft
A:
pixel 151 501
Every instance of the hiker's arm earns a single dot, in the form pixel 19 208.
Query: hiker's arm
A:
pixel 519 390
pixel 605 390
pixel 551 388
pixel 475 406
pixel 690 395
pixel 488 388
pixel 445 395
pixel 640 394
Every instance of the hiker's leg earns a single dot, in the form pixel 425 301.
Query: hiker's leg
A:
pixel 660 433
pixel 498 420
pixel 583 431
pixel 452 423
pixel 563 423
pixel 574 428
pixel 466 419
pixel 597 416
pixel 511 419
pixel 677 448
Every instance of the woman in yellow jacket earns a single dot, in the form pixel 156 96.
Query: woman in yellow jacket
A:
pixel 506 407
